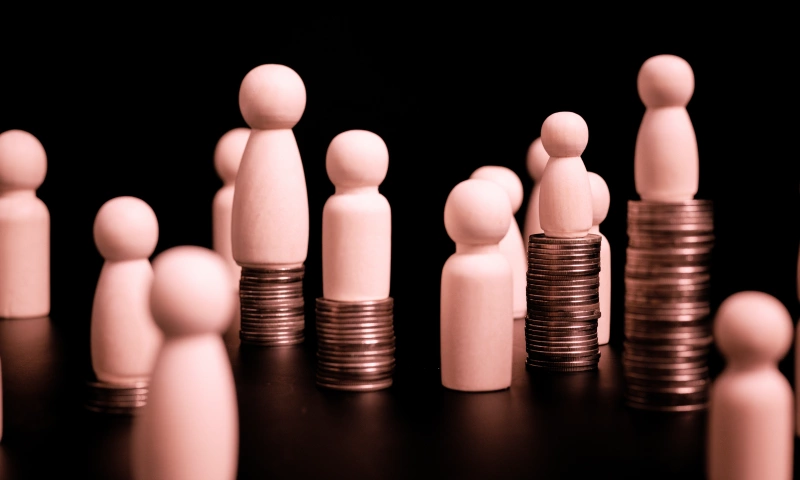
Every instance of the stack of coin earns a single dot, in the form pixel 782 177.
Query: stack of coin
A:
pixel 272 307
pixel 103 397
pixel 355 344
pixel 667 312
pixel 563 303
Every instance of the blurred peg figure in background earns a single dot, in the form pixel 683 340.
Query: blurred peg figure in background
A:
pixel 601 199
pixel 751 409
pixel 477 290
pixel 536 161
pixel 512 245
pixel 24 228
pixel 227 157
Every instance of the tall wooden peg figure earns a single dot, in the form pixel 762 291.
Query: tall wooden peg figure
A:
pixel 227 157
pixel 797 358
pixel 666 167
pixel 356 220
pixel 124 337
pixel 477 290
pixel 189 429
pixel 565 197
pixel 536 161
pixel 751 408
pixel 24 228
pixel 601 200
pixel 512 245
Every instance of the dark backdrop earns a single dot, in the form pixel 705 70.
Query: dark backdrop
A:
pixel 134 111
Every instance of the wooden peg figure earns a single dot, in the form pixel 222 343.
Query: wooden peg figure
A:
pixel 189 429
pixel 565 197
pixel 666 167
pixel 124 337
pixel 536 161
pixel 269 219
pixel 227 157
pixel 751 408
pixel 512 245
pixel 356 220
pixel 797 358
pixel 477 290
pixel 601 200
pixel 24 228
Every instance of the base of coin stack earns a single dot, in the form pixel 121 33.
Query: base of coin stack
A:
pixel 563 303
pixel 355 344
pixel 112 399
pixel 668 330
pixel 271 306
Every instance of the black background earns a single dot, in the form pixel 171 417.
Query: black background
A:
pixel 138 111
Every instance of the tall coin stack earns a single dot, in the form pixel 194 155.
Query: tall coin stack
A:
pixel 355 344
pixel 668 332
pixel 563 303
pixel 272 306
pixel 107 398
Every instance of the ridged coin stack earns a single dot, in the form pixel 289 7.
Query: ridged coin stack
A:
pixel 668 331
pixel 113 399
pixel 563 303
pixel 355 344
pixel 272 306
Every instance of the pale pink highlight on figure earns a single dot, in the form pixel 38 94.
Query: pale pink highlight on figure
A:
pixel 751 408
pixel 601 200
pixel 356 220
pixel 565 198
pixel 666 167
pixel 269 218
pixel 511 246
pixel 189 429
pixel 477 290
pixel 124 337
pixel 24 228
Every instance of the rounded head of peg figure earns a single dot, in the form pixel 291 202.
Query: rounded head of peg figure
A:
pixel 753 327
pixel 191 294
pixel 228 153
pixel 272 97
pixel 665 81
pixel 23 162
pixel 477 212
pixel 125 228
pixel 565 134
pixel 601 198
pixel 536 159
pixel 357 158
pixel 507 179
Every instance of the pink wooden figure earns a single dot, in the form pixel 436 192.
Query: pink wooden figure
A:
pixel 189 429
pixel 665 159
pixel 751 409
pixel 124 337
pixel 477 290
pixel 601 200
pixel 1 402
pixel 536 161
pixel 512 245
pixel 227 157
pixel 565 197
pixel 356 220
pixel 797 357
pixel 24 228
pixel 269 220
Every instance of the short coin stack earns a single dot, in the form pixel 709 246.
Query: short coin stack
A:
pixel 103 397
pixel 272 307
pixel 563 303
pixel 355 344
pixel 668 332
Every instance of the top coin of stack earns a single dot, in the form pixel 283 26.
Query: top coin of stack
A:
pixel 269 216
pixel 564 261
pixel 667 327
